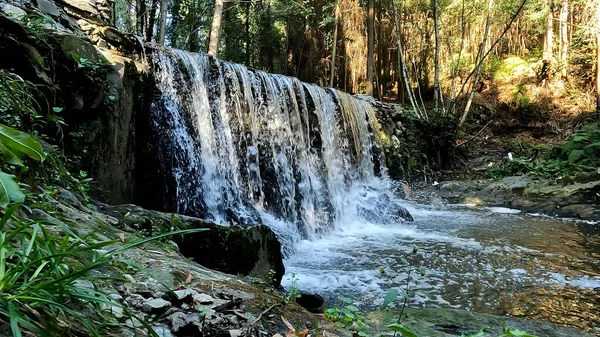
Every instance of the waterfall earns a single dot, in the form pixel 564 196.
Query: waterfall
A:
pixel 240 146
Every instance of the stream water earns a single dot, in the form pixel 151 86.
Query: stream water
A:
pixel 489 260
pixel 241 146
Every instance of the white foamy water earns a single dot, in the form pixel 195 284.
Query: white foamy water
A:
pixel 473 259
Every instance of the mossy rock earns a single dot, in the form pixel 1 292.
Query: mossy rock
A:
pixel 75 47
pixel 246 251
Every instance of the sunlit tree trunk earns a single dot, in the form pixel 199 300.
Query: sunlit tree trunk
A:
pixel 598 60
pixel 564 38
pixel 162 30
pixel 402 65
pixel 480 56
pixel 213 42
pixel 549 35
pixel 370 45
pixel 437 89
pixel 334 47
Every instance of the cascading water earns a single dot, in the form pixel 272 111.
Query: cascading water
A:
pixel 243 144
pixel 239 146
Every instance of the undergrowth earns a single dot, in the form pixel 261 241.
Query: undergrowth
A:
pixel 580 153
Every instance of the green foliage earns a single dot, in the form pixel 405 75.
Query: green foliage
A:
pixel 520 98
pixel 13 145
pixel 293 293
pixel 38 25
pixel 348 316
pixel 403 329
pixel 17 99
pixel 43 291
pixel 579 153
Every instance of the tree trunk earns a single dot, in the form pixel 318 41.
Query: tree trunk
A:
pixel 598 61
pixel 402 65
pixel 564 38
pixel 247 23
pixel 480 56
pixel 140 17
pixel 151 21
pixel 549 35
pixel 334 47
pixel 370 46
pixel 213 42
pixel 163 22
pixel 437 90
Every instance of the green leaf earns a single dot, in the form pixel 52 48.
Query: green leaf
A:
pixel 10 157
pixel 517 332
pixel 346 300
pixel 404 330
pixel 21 142
pixel 352 308
pixel 9 190
pixel 575 155
pixel 389 298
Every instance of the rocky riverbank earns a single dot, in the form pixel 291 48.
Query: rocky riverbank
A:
pixel 569 197
pixel 171 289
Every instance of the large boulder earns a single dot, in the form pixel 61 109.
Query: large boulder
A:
pixel 252 251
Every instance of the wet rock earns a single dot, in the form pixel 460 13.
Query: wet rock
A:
pixel 311 302
pixel 155 306
pixel 186 324
pixel 253 251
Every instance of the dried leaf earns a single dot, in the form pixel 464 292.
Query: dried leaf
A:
pixel 188 279
pixel 122 237
pixel 277 335
pixel 303 333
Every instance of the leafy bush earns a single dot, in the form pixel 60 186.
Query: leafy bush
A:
pixel 580 153
pixel 348 317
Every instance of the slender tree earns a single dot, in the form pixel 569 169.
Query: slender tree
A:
pixel 598 60
pixel 163 22
pixel 151 21
pixel 564 38
pixel 334 46
pixel 370 45
pixel 213 42
pixel 437 89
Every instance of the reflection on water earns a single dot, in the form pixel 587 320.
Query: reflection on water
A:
pixel 488 261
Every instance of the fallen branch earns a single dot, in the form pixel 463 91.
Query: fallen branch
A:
pixel 262 313
pixel 476 135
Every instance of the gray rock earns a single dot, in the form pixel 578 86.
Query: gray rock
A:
pixel 115 309
pixel 155 306
pixel 185 324
pixel 133 323
pixel 162 331
pixel 135 300
pixel 83 284
pixel 203 299
pixel 13 11
pixel 48 8
pixel 185 295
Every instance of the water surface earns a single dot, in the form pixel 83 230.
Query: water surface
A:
pixel 490 260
